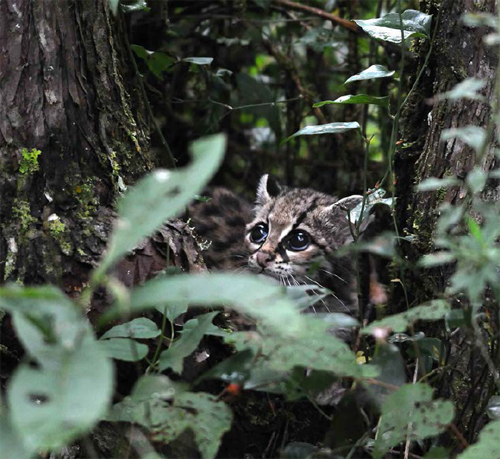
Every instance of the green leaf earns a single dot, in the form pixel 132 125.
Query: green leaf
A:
pixel 371 73
pixel 113 6
pixel 434 183
pixel 392 371
pixel 124 349
pixel 377 197
pixel 174 356
pixel 12 443
pixel 207 417
pixel 474 136
pixel 198 60
pixel 410 412
pixel 137 5
pixel 436 259
pixel 388 27
pixel 315 347
pixel 434 310
pixel 50 408
pixel 141 52
pixel 46 321
pixel 331 128
pixel 454 319
pixel 476 180
pixel 159 63
pixel 480 20
pixel 141 328
pixel 172 311
pixel 159 196
pixel 487 446
pixel 493 408
pixel 357 99
pixel 235 369
pixel 475 229
pixel 248 294
pixel 467 89
pixel 305 296
pixel 155 387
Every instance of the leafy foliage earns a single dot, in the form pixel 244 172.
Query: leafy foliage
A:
pixel 411 413
pixel 296 356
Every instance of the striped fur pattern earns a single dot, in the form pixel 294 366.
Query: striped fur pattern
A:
pixel 291 234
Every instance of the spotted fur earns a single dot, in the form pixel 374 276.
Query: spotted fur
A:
pixel 284 212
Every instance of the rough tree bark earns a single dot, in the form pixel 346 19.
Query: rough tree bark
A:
pixel 68 90
pixel 458 53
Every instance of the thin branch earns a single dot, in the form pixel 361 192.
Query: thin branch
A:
pixel 352 26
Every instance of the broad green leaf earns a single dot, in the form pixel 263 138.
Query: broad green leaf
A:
pixel 454 319
pixel 487 446
pixel 331 128
pixel 46 321
pixel 493 408
pixel 376 197
pixel 480 20
pixel 411 413
pixel 305 296
pixel 113 6
pixel 363 99
pixel 371 73
pixel 434 183
pixel 438 452
pixel 207 417
pixel 436 259
pixel 161 195
pixel 248 294
pixel 12 446
pixel 155 387
pixel 467 89
pixel 172 311
pixel 388 27
pixel 141 52
pixel 50 408
pixel 315 347
pixel 140 328
pixel 124 349
pixel 392 370
pixel 159 63
pixel 137 5
pixel 434 310
pixel 235 369
pixel 174 356
pixel 474 136
pixel 198 60
pixel 476 180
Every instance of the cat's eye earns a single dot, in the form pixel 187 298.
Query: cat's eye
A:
pixel 298 240
pixel 259 233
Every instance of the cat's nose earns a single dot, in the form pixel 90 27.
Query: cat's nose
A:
pixel 263 258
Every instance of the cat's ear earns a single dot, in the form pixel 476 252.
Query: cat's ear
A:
pixel 347 203
pixel 338 213
pixel 268 188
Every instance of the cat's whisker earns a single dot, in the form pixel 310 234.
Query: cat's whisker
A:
pixel 334 275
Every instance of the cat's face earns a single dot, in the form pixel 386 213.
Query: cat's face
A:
pixel 296 232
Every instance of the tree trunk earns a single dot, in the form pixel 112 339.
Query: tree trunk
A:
pixel 458 53
pixel 67 89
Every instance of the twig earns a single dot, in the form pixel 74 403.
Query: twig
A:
pixel 458 435
pixel 352 26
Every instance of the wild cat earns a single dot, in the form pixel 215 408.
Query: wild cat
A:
pixel 290 234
